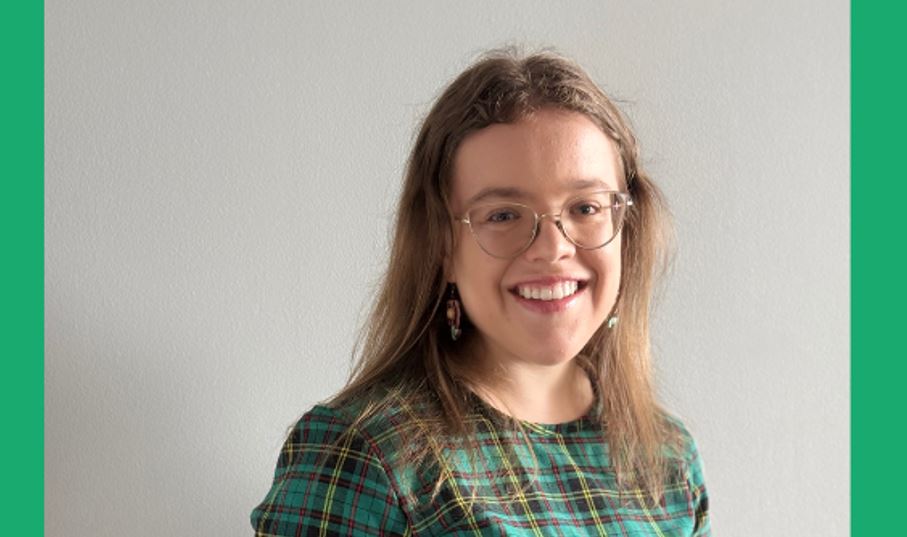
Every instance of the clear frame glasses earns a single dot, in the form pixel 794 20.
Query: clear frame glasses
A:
pixel 589 221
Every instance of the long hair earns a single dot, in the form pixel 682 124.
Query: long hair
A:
pixel 402 346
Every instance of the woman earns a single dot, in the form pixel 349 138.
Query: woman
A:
pixel 504 385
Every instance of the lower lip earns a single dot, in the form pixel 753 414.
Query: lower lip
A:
pixel 549 306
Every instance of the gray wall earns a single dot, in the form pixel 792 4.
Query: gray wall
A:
pixel 220 179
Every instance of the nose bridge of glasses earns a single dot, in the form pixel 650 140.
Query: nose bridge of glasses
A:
pixel 556 220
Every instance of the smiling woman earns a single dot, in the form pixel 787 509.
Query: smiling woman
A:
pixel 504 384
pixel 531 341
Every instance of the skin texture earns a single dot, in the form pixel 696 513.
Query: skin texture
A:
pixel 526 356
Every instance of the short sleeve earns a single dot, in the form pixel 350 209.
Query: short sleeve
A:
pixel 328 483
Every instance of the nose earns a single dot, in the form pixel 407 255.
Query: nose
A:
pixel 551 243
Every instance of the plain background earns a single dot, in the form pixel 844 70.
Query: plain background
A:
pixel 220 184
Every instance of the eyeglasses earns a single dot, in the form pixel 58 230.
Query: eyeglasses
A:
pixel 589 221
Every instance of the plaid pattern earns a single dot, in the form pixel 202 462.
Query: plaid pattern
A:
pixel 325 488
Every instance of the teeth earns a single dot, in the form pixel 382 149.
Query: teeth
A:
pixel 553 292
pixel 558 292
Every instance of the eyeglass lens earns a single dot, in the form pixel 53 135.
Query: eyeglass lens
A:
pixel 506 229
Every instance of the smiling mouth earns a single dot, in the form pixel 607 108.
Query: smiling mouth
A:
pixel 545 293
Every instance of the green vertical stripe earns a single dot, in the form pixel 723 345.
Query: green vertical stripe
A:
pixel 22 261
pixel 878 306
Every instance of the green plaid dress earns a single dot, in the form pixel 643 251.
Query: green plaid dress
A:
pixel 325 488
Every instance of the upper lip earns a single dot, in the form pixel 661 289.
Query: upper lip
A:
pixel 546 281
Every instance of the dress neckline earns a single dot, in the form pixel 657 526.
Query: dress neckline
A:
pixel 590 418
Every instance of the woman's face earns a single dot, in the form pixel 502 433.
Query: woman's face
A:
pixel 542 162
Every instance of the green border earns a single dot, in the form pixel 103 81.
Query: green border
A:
pixel 878 372
pixel 22 321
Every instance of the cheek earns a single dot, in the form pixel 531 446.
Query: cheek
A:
pixel 608 268
pixel 472 265
pixel 479 280
pixel 614 270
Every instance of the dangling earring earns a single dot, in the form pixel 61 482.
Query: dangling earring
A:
pixel 453 313
pixel 613 319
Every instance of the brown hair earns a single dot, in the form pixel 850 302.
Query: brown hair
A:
pixel 404 347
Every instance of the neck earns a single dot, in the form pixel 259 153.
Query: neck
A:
pixel 538 393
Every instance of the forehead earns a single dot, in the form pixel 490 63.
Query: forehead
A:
pixel 552 153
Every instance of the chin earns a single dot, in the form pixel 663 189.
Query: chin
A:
pixel 551 355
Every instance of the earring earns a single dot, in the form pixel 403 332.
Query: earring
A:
pixel 453 313
pixel 612 321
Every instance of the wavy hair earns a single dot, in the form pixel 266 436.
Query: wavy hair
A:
pixel 403 347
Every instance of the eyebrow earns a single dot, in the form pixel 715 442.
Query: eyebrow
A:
pixel 514 192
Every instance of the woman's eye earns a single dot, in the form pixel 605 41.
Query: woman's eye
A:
pixel 586 209
pixel 502 216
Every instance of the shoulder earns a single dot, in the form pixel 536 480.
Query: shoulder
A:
pixel 330 475
pixel 319 425
pixel 317 432
pixel 681 443
pixel 693 475
pixel 374 428
pixel 692 469
pixel 353 429
pixel 322 442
